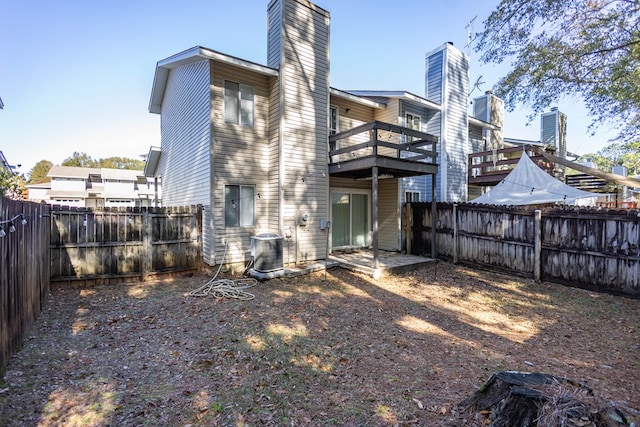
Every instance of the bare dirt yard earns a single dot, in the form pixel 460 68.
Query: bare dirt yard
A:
pixel 334 349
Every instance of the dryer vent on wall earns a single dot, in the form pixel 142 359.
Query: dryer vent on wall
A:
pixel 266 251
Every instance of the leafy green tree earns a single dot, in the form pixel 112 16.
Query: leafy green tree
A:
pixel 625 154
pixel 12 185
pixel 82 160
pixel 38 173
pixel 121 163
pixel 85 161
pixel 583 48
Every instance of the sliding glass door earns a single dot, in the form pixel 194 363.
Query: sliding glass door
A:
pixel 350 219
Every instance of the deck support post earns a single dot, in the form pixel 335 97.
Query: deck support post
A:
pixel 374 215
pixel 434 222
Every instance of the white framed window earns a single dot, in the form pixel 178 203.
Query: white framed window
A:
pixel 238 103
pixel 239 206
pixel 333 129
pixel 333 120
pixel 412 196
pixel 412 121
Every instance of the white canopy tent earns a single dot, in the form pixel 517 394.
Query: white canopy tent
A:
pixel 528 184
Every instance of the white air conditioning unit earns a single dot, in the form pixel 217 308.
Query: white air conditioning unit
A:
pixel 266 251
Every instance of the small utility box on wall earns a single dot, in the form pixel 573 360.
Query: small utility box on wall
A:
pixel 266 251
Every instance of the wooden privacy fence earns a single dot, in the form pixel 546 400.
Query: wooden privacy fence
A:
pixel 110 245
pixel 585 247
pixel 24 271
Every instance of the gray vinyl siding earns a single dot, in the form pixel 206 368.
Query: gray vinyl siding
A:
pixel 434 127
pixel 446 83
pixel 274 34
pixel 434 76
pixel 185 140
pixel 241 156
pixel 304 76
pixel 456 146
pixel 434 91
pixel 388 215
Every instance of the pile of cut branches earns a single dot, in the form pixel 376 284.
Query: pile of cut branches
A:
pixel 523 399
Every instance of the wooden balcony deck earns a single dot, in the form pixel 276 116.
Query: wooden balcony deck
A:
pixel 488 168
pixel 395 150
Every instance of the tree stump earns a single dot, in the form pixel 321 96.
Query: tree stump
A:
pixel 526 399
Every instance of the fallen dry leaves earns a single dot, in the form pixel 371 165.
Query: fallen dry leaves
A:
pixel 345 351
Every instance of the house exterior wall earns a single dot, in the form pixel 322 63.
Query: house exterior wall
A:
pixel 357 115
pixel 302 55
pixel 422 183
pixel 275 189
pixel 185 163
pixel 393 115
pixel 447 82
pixel 68 184
pixel 389 217
pixel 240 156
pixel 490 109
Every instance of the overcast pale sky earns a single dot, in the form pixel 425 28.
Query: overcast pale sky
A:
pixel 76 75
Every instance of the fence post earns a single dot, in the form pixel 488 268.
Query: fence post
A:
pixel 537 246
pixel 408 226
pixel 147 246
pixel 455 233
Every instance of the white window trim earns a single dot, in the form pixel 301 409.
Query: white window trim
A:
pixel 336 144
pixel 406 193
pixel 253 222
pixel 333 190
pixel 239 103
pixel 406 124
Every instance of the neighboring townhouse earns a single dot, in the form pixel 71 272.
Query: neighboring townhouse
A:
pixel 96 188
pixel 4 164
pixel 39 193
pixel 275 149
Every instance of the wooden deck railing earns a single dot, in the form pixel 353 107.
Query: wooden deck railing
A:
pixel 491 167
pixel 383 139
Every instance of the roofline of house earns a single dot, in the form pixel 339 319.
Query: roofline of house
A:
pixel 402 94
pixel 3 162
pixel 197 53
pixel 152 161
pixel 481 123
pixel 522 141
pixel 355 98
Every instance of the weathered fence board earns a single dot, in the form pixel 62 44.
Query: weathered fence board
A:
pixel 590 248
pixel 24 272
pixel 114 244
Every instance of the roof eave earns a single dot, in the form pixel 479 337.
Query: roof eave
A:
pixel 355 98
pixel 401 94
pixel 482 123
pixel 152 162
pixel 197 53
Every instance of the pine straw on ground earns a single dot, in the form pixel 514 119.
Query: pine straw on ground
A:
pixel 326 349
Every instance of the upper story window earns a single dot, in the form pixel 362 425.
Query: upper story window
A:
pixel 238 103
pixel 333 120
pixel 412 122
